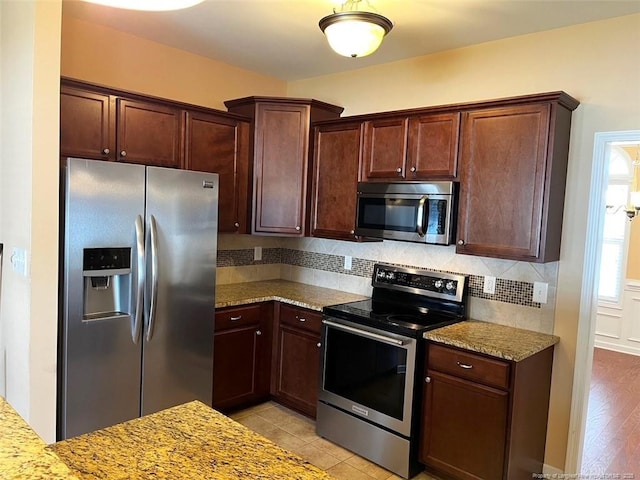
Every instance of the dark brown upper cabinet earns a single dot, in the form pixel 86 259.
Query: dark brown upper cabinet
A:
pixel 421 147
pixel 281 130
pixel 87 124
pixel 513 164
pixel 335 178
pixel 218 144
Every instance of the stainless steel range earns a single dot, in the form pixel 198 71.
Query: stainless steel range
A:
pixel 371 363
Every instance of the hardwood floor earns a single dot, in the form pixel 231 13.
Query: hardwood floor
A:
pixel 612 437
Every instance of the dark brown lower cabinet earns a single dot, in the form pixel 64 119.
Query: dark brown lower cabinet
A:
pixel 241 356
pixel 296 361
pixel 484 418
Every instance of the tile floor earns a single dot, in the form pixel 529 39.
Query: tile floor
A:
pixel 296 433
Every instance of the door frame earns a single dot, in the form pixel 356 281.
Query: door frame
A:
pixel 589 297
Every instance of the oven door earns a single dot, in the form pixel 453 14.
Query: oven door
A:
pixel 368 373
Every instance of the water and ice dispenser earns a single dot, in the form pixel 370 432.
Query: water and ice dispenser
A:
pixel 107 283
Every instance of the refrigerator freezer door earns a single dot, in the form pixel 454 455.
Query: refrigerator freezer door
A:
pixel 100 368
pixel 182 222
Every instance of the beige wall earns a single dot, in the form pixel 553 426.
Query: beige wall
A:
pixel 595 72
pixel 30 59
pixel 102 55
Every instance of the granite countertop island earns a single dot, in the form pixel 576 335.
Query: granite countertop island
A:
pixel 187 442
pixel 294 293
pixel 23 454
pixel 500 341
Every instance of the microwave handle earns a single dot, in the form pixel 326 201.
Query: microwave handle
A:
pixel 420 216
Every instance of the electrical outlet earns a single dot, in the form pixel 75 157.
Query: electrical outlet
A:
pixel 489 285
pixel 257 253
pixel 540 292
pixel 347 262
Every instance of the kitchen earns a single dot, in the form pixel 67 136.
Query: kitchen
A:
pixel 612 107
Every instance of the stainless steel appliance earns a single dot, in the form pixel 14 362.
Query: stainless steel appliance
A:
pixel 411 212
pixel 137 291
pixel 371 362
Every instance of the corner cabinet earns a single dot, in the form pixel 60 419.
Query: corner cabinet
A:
pixel 513 162
pixel 296 358
pixel 281 132
pixel 336 159
pixel 483 417
pixel 241 356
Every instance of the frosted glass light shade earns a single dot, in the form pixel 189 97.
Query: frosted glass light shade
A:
pixel 635 199
pixel 355 34
pixel 150 5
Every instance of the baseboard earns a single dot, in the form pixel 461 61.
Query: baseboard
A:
pixel 549 470
pixel 616 347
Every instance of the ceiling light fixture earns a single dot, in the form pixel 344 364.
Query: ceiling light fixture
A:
pixel 149 5
pixel 354 33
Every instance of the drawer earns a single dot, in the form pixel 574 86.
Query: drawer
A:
pixel 467 365
pixel 234 317
pixel 301 318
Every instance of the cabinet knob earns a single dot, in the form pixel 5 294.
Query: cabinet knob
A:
pixel 318 344
pixel 235 319
pixel 399 170
pixel 427 380
pixel 460 242
pixel 298 228
pixel 258 332
pixel 352 232
pixel 237 225
pixel 123 153
pixel 106 151
pixel 412 169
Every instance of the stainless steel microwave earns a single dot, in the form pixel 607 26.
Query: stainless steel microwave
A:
pixel 410 212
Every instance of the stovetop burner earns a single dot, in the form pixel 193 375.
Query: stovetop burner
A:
pixel 407 301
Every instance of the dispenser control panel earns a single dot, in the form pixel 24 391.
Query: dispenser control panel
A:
pixel 106 261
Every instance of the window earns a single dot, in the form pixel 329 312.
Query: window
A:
pixel 616 226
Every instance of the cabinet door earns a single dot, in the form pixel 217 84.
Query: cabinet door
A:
pixel 385 149
pixel 280 169
pixel 335 180
pixel 464 428
pixel 149 134
pixel 503 168
pixel 297 361
pixel 220 145
pixel 241 356
pixel 87 124
pixel 433 146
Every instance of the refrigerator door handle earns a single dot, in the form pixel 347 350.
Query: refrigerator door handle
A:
pixel 154 277
pixel 136 327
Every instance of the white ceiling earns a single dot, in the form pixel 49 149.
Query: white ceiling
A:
pixel 281 38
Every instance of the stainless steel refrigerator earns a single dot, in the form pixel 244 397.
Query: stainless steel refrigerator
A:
pixel 137 291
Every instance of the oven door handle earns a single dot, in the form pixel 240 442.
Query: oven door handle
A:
pixel 420 215
pixel 365 333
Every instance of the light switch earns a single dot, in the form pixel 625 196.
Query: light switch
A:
pixel 489 285
pixel 19 262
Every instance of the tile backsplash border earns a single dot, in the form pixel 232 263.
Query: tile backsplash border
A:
pixel 515 292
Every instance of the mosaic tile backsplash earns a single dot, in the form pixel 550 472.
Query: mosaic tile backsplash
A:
pixel 507 291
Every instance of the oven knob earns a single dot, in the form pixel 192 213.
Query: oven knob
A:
pixel 450 286
pixel 390 275
pixel 438 284
pixel 380 274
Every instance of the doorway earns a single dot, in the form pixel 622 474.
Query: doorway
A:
pixel 589 298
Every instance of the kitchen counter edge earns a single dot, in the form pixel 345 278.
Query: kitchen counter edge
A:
pixel 501 341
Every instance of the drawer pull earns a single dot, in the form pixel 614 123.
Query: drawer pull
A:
pixel 466 366
pixel 301 319
pixel 235 319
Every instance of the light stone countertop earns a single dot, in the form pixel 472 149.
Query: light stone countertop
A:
pixel 23 454
pixel 188 442
pixel 294 293
pixel 500 341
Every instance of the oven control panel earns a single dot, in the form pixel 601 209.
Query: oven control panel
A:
pixel 424 282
